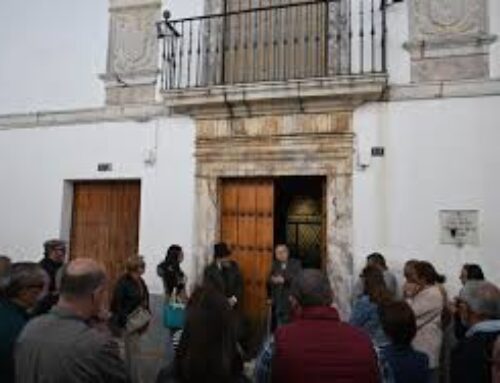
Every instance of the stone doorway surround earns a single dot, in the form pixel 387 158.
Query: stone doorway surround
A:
pixel 281 145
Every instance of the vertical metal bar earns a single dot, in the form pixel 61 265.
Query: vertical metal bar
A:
pixel 306 40
pixel 338 39
pixel 255 34
pixel 372 33
pixel 326 35
pixel 198 53
pixel 207 63
pixel 163 62
pixel 383 8
pixel 349 44
pixel 318 39
pixel 275 45
pixel 189 54
pixel 361 37
pixel 224 44
pixel 181 56
pixel 172 62
pixel 268 45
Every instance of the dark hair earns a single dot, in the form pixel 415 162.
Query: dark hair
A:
pixel 208 348
pixel 24 275
pixel 410 264
pixel 426 271
pixel 312 288
pixel 374 286
pixel 474 272
pixel 378 259
pixel 173 254
pixel 80 285
pixel 53 244
pixel 398 322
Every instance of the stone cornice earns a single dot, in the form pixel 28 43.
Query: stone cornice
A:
pixel 403 92
pixel 138 113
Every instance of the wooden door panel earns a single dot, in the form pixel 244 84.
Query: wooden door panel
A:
pixel 105 223
pixel 247 214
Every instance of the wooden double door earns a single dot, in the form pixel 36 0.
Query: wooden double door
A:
pixel 258 213
pixel 105 223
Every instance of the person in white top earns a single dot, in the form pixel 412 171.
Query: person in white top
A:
pixel 427 298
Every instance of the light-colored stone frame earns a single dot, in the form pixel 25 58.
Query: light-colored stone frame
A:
pixel 272 146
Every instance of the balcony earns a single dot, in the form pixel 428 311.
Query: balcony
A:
pixel 299 55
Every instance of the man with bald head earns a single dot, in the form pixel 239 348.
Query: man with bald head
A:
pixel 61 346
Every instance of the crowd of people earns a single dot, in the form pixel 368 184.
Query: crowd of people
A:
pixel 57 323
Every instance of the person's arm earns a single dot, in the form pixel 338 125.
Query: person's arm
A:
pixel 110 365
pixel 360 313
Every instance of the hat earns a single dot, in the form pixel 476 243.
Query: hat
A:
pixel 221 250
pixel 54 244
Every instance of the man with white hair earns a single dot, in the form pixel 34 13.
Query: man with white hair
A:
pixel 479 307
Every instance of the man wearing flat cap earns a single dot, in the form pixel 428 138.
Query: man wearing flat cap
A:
pixel 54 252
pixel 224 274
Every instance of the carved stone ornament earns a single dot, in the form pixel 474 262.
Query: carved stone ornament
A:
pixel 442 18
pixel 133 41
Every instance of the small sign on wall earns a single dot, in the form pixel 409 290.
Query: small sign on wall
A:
pixel 459 227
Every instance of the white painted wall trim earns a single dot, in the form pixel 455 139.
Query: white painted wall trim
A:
pixel 146 112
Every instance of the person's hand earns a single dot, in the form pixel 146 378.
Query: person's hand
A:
pixel 232 301
pixel 278 280
pixel 411 289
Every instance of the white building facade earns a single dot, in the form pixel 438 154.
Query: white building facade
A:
pixel 411 153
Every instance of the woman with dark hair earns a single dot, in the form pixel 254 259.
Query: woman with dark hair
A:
pixel 427 298
pixel 208 350
pixel 174 279
pixel 402 363
pixel 365 313
pixel 471 272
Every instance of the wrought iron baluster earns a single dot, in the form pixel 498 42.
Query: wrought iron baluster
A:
pixel 181 55
pixel 361 37
pixel 383 9
pixel 349 43
pixel 372 33
pixel 198 53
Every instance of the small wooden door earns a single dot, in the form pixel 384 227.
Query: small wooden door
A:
pixel 247 222
pixel 105 223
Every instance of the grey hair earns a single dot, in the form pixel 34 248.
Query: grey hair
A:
pixel 482 297
pixel 312 288
pixel 23 275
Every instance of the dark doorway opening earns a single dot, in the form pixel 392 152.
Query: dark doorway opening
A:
pixel 300 218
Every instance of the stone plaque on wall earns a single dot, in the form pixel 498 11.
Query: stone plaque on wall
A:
pixel 459 227
pixel 449 39
pixel 132 51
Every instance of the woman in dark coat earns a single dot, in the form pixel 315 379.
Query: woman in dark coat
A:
pixel 174 279
pixel 130 293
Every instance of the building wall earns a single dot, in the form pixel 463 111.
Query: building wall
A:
pixel 36 163
pixel 440 154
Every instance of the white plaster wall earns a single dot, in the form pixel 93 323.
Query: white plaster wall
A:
pixel 52 52
pixel 398 59
pixel 494 13
pixel 440 154
pixel 35 163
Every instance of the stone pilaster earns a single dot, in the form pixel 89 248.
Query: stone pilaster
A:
pixel 449 40
pixel 132 66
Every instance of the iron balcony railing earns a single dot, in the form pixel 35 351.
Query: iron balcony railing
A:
pixel 275 41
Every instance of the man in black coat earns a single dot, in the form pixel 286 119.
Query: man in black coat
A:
pixel 54 251
pixel 284 270
pixel 479 310
pixel 224 274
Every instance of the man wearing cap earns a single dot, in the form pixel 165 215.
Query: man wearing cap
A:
pixel 54 251
pixel 224 274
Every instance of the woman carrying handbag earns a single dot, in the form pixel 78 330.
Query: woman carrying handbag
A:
pixel 174 283
pixel 130 312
